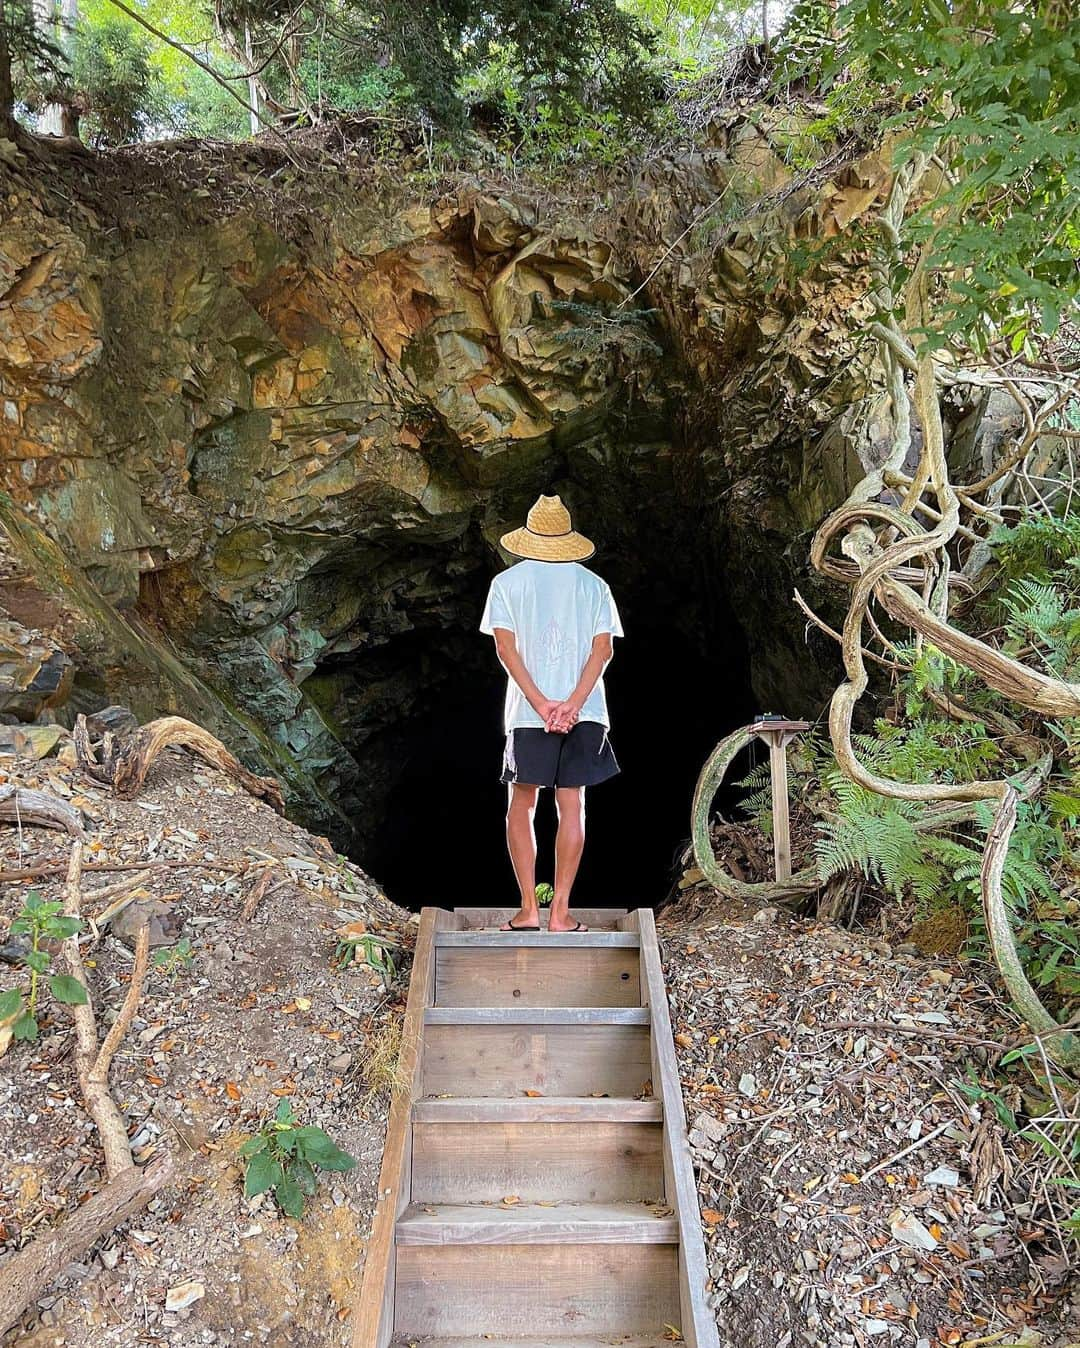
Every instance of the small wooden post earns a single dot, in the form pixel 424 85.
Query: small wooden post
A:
pixel 778 734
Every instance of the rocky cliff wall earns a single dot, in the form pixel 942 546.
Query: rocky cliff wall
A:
pixel 258 440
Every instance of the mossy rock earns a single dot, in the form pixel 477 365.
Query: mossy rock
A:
pixel 942 933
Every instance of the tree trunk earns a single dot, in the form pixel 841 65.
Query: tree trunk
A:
pixel 61 118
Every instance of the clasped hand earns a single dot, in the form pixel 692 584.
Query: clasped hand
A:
pixel 559 717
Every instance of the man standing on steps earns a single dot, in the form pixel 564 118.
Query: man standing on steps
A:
pixel 553 622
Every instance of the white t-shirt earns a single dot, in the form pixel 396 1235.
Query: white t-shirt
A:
pixel 554 610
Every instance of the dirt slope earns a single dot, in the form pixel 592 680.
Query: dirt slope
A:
pixel 261 1014
pixel 851 1192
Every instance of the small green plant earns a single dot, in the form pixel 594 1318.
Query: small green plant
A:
pixel 373 951
pixel 284 1156
pixel 170 960
pixel 42 922
pixel 544 895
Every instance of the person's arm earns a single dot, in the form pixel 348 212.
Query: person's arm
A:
pixel 566 713
pixel 511 661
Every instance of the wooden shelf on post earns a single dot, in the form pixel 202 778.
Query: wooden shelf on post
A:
pixel 778 734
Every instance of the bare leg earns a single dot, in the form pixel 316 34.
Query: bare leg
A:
pixel 521 840
pixel 569 845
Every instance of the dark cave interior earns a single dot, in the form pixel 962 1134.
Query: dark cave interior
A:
pixel 679 682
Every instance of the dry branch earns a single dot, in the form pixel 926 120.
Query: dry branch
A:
pixel 27 1274
pixel 93 1063
pixel 256 894
pixel 59 868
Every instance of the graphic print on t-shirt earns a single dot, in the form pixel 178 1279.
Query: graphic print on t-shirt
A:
pixel 552 643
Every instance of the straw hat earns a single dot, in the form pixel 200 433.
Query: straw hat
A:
pixel 548 536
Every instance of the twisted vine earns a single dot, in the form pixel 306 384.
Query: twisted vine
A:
pixel 877 552
pixel 886 553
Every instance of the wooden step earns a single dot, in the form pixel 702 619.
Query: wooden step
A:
pixel 542 940
pixel 480 919
pixel 595 1161
pixel 569 1289
pixel 502 1059
pixel 537 1015
pixel 541 1109
pixel 532 975
pixel 661 1339
pixel 536 1224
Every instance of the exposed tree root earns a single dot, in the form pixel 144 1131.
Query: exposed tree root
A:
pixel 802 883
pixel 124 764
pixel 882 541
pixel 19 805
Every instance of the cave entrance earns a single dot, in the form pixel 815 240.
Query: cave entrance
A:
pixel 679 681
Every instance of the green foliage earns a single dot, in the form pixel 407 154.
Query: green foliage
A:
pixel 544 895
pixel 598 329
pixel 41 922
pixel 285 1156
pixel 1045 1130
pixel 993 90
pixel 170 960
pixel 374 951
pixel 1040 547
pixel 118 87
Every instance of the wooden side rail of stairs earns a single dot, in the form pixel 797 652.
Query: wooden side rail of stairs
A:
pixel 536 1185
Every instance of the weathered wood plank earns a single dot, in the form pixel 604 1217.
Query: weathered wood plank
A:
pixel 537 976
pixel 552 1059
pixel 477 918
pixel 548 1341
pixel 536 1290
pixel 373 1324
pixel 537 1015
pixel 531 1224
pixel 542 940
pixel 600 1162
pixel 696 1320
pixel 545 1109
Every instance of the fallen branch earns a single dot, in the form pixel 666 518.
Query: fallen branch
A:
pixel 256 895
pixel 919 1032
pixel 27 1274
pixel 917 1145
pixel 22 806
pixel 60 868
pixel 91 1061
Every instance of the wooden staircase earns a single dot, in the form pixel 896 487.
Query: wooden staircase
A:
pixel 536 1187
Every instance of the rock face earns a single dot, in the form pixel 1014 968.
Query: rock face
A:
pixel 261 466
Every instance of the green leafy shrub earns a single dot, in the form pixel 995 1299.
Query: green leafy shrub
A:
pixel 544 894
pixel 284 1157
pixel 42 922
pixel 366 948
pixel 118 87
pixel 170 960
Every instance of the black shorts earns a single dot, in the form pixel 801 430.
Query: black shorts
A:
pixel 581 757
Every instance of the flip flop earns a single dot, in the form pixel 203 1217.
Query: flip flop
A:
pixel 578 926
pixel 510 927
